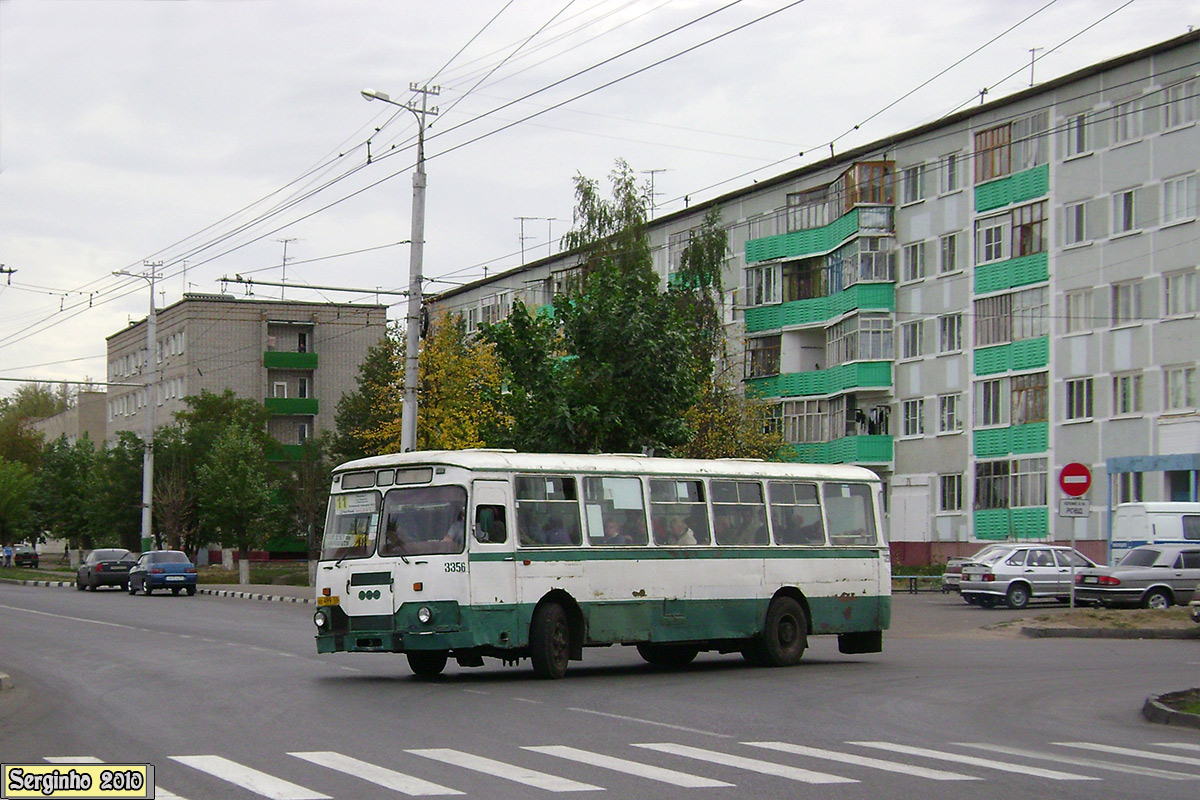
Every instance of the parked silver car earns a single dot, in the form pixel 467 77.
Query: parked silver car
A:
pixel 1152 576
pixel 1015 573
pixel 952 574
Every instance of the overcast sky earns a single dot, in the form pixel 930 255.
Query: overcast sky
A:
pixel 201 134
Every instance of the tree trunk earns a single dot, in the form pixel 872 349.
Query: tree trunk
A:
pixel 243 567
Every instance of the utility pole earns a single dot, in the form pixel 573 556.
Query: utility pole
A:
pixel 523 237
pixel 150 386
pixel 1033 51
pixel 408 422
pixel 283 280
pixel 6 271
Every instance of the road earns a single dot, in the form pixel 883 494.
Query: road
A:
pixel 228 699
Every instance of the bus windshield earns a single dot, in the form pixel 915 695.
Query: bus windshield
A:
pixel 350 529
pixel 425 520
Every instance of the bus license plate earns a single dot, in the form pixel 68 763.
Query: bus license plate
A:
pixel 328 601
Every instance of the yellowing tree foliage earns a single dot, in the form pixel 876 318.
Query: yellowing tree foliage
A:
pixel 458 396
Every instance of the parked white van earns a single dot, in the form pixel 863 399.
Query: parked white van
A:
pixel 1135 524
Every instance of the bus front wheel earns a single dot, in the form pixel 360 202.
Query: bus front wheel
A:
pixel 549 641
pixel 427 663
pixel 784 637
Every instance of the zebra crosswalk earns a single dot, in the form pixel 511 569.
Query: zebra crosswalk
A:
pixel 560 769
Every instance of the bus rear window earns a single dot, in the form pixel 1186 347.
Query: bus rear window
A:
pixel 350 528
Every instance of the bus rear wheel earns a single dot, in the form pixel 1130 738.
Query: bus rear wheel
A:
pixel 549 641
pixel 784 637
pixel 667 655
pixel 427 663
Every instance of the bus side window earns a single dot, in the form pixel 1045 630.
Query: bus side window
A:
pixel 489 524
pixel 795 513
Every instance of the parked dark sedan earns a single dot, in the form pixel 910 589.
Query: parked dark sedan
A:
pixel 25 556
pixel 163 569
pixel 104 567
pixel 1152 576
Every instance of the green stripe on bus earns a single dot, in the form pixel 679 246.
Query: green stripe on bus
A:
pixel 667 554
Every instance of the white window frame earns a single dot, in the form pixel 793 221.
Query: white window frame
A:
pixel 914 418
pixel 992 403
pixel 950 417
pixel 993 239
pixel 950 333
pixel 914 262
pixel 1180 198
pixel 950 253
pixel 1127 394
pixel 914 184
pixel 950 493
pixel 1126 303
pixel 763 285
pixel 1124 212
pixel 279 390
pixel 1128 487
pixel 1181 104
pixel 912 335
pixel 950 173
pixel 1127 121
pixel 1181 293
pixel 1075 224
pixel 1076 128
pixel 1179 387
pixel 1077 310
pixel 1078 399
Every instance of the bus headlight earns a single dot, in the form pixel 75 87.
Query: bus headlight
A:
pixel 321 619
pixel 424 615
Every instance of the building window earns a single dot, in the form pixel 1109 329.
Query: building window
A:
pixel 1076 133
pixel 1127 121
pixel 1079 398
pixel 805 421
pixel 865 337
pixel 1129 487
pixel 1011 147
pixel 950 333
pixel 1074 223
pixel 301 433
pixel 1180 107
pixel 1127 393
pixel 949 253
pixel 914 261
pixel 762 356
pixel 1028 482
pixel 1029 229
pixel 302 387
pixel 914 183
pixel 1124 217
pixel 948 179
pixel 302 342
pixel 1078 310
pixel 279 389
pixel 762 285
pixel 911 334
pixel 914 417
pixel 991 484
pixel 991 239
pixel 1180 387
pixel 991 408
pixel 1029 398
pixel 1180 293
pixel 1126 303
pixel 950 413
pixel 993 320
pixel 950 492
pixel 1179 199
pixel 1031 313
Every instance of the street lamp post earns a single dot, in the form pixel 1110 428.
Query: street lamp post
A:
pixel 408 420
pixel 148 438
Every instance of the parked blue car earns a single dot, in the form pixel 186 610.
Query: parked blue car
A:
pixel 163 569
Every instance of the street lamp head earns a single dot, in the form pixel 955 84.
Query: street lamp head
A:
pixel 371 94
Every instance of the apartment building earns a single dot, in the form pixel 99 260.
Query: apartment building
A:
pixel 968 306
pixel 297 358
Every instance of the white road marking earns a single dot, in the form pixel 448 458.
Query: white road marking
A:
pixel 374 773
pixel 159 792
pixel 1003 766
pixel 1180 745
pixel 750 764
pixel 1129 751
pixel 655 723
pixel 251 779
pixel 1131 769
pixel 864 761
pixel 630 767
pixel 499 769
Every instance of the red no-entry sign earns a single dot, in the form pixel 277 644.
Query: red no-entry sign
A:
pixel 1075 479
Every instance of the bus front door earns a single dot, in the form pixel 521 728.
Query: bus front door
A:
pixel 492 563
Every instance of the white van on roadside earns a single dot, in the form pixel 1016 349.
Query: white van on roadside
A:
pixel 1135 524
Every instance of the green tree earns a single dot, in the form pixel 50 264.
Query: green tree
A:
pixel 175 514
pixel 306 485
pixel 17 486
pixel 235 491
pixel 65 501
pixel 115 499
pixel 209 414
pixel 367 409
pixel 615 368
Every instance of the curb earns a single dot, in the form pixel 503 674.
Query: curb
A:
pixel 274 598
pixel 1154 710
pixel 1110 633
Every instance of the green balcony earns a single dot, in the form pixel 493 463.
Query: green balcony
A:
pixel 999 524
pixel 1014 356
pixel 291 406
pixel 277 359
pixel 286 452
pixel 848 450
pixel 1014 272
pixel 817 310
pixel 1013 440
pixel 815 383
pixel 811 241
pixel 1016 188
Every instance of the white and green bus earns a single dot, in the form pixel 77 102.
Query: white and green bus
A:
pixel 474 553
